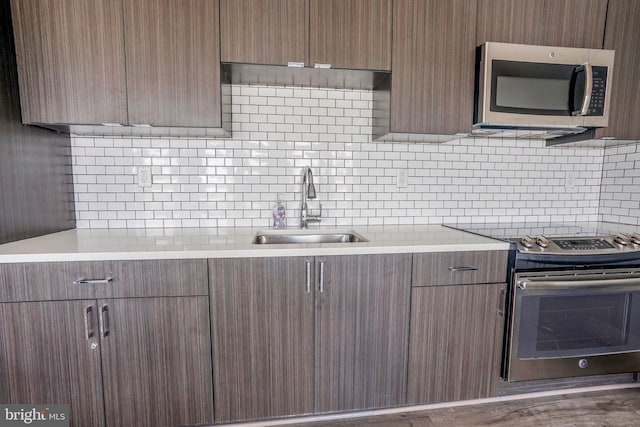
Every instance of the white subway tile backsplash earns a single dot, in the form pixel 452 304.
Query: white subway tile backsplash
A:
pixel 199 182
pixel 620 191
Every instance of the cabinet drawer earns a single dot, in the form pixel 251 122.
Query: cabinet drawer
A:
pixel 55 280
pixel 459 268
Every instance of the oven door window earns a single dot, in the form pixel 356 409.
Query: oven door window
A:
pixel 533 88
pixel 570 324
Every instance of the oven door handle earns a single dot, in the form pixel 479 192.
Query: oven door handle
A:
pixel 628 284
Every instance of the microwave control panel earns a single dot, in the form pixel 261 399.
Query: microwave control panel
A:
pixel 596 107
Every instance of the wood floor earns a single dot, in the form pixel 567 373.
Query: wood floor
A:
pixel 611 408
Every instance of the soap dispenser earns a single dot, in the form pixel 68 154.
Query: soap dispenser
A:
pixel 279 214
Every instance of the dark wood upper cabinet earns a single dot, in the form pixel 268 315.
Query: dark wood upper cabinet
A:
pixel 433 66
pixel 173 62
pixel 510 21
pixel 571 23
pixel 273 32
pixel 113 61
pixel 353 34
pixel 623 35
pixel 70 61
pixel 575 23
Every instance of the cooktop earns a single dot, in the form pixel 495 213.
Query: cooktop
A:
pixel 561 237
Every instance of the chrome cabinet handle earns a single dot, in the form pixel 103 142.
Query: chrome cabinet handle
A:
pixel 104 321
pixel 460 269
pixel 308 284
pixel 502 302
pixel 83 281
pixel 89 328
pixel 321 276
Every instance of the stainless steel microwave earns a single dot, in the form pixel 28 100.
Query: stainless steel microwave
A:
pixel 551 91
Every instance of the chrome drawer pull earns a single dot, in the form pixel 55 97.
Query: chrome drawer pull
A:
pixel 83 281
pixel 460 269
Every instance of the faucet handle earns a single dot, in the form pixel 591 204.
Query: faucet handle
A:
pixel 314 218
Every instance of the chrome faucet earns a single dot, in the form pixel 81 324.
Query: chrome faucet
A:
pixel 308 192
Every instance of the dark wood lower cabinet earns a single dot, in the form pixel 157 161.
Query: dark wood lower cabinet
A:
pixel 46 358
pixel 455 343
pixel 362 312
pixel 295 335
pixel 262 317
pixel 156 361
pixel 130 361
pixel 276 337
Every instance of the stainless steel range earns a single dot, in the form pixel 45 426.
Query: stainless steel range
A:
pixel 573 301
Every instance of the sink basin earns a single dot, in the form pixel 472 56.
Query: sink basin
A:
pixel 315 236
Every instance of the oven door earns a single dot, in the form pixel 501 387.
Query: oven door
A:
pixel 569 324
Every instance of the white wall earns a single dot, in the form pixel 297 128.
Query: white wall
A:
pixel 620 194
pixel 279 130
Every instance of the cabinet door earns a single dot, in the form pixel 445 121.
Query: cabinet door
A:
pixel 156 360
pixel 571 23
pixel 433 66
pixel 262 317
pixel 362 321
pixel 70 61
pixel 456 343
pixel 173 62
pixel 47 358
pixel 623 35
pixel 264 31
pixel 352 34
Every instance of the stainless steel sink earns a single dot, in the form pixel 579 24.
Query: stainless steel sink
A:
pixel 284 237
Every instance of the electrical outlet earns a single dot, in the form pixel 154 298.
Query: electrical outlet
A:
pixel 402 179
pixel 144 176
pixel 570 179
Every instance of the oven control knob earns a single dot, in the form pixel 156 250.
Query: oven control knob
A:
pixel 542 241
pixel 527 241
pixel 582 363
pixel 635 239
pixel 622 239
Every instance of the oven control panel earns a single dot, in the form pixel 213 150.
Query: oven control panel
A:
pixel 579 245
pixel 582 245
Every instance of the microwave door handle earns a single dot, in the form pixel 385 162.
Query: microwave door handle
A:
pixel 588 88
pixel 629 284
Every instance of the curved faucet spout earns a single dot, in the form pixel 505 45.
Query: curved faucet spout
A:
pixel 308 192
pixel 311 189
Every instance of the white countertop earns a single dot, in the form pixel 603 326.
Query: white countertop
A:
pixel 182 243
